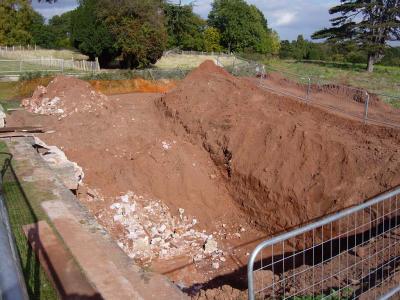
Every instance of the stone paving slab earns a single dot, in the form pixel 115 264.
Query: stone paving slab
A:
pixel 58 263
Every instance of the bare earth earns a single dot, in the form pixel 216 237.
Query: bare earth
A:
pixel 215 159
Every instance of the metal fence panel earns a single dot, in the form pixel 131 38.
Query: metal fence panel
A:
pixel 342 256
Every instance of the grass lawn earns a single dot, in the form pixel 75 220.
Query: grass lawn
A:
pixel 46 53
pixel 384 80
pixel 11 66
pixel 185 61
pixel 20 213
pixel 12 92
pixel 9 95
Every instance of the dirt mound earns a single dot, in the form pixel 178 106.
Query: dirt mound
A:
pixel 64 96
pixel 284 162
pixel 207 67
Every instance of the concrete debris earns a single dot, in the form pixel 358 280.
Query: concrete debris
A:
pixel 150 231
pixel 69 172
pixel 166 145
pixel 2 117
pixel 210 246
pixel 215 265
pixel 237 234
pixel 45 102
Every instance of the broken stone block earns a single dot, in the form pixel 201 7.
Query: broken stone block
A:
pixel 210 246
pixel 69 172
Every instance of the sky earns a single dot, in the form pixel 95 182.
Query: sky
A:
pixel 288 17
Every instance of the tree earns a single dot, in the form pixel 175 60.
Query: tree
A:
pixel 368 23
pixel 41 33
pixel 16 18
pixel 137 28
pixel 61 27
pixel 212 39
pixel 243 27
pixel 184 27
pixel 90 35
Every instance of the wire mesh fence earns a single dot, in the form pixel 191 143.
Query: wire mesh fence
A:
pixel 351 101
pixel 22 212
pixel 346 255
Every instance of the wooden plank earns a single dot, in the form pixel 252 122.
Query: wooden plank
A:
pixel 22 129
pixel 58 263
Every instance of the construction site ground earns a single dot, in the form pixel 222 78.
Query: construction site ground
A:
pixel 188 181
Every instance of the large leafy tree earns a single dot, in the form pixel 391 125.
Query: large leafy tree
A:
pixel 243 27
pixel 184 27
pixel 90 35
pixel 61 27
pixel 371 24
pixel 16 19
pixel 137 28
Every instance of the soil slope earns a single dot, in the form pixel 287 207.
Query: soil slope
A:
pixel 285 162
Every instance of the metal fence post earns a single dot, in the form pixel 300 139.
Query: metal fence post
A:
pixel 308 89
pixel 20 66
pixel 366 107
pixel 151 75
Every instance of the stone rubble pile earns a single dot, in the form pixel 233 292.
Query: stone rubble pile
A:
pixel 150 231
pixel 50 101
pixel 40 104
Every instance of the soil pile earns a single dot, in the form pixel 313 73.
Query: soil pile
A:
pixel 159 195
pixel 64 96
pixel 284 162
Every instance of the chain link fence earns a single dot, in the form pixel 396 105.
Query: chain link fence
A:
pixel 28 279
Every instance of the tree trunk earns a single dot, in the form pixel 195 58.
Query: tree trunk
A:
pixel 371 62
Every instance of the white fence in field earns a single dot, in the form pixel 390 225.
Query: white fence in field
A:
pixel 17 59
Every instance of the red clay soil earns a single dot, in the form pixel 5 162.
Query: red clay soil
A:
pixel 284 162
pixel 121 147
pixel 237 158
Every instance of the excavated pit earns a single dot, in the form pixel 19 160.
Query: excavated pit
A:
pixel 189 181
pixel 285 162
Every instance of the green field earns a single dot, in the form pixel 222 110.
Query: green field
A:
pixel 46 53
pixel 384 80
pixel 11 67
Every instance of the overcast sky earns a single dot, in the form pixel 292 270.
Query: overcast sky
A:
pixel 288 17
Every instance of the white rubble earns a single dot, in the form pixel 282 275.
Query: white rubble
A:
pixel 150 231
pixel 210 246
pixel 166 145
pixel 69 172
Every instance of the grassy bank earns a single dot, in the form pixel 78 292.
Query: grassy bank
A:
pixel 384 80
pixel 12 92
